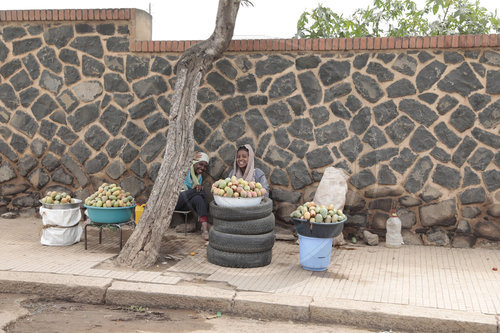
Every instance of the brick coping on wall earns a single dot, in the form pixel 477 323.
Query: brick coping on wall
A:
pixel 67 15
pixel 249 45
pixel 332 44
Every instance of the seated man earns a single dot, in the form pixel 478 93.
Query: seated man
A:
pixel 193 196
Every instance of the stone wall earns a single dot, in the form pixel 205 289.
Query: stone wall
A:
pixel 411 120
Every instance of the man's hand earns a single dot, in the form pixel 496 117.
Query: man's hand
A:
pixel 196 155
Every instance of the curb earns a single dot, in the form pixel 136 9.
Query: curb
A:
pixel 254 305
pixel 407 318
pixel 270 306
pixel 170 296
pixel 72 288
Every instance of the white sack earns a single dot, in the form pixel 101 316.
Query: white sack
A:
pixel 61 226
pixel 332 189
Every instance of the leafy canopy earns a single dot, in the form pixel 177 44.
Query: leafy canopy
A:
pixel 400 18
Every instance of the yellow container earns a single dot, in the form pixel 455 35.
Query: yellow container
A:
pixel 138 212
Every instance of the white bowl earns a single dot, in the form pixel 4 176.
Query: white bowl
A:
pixel 237 202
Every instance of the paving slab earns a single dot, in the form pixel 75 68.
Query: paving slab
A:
pixel 414 288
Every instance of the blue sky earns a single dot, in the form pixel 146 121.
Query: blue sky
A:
pixel 195 19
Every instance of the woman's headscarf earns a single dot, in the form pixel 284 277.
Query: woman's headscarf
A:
pixel 249 171
pixel 194 177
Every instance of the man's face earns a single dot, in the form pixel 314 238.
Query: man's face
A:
pixel 200 167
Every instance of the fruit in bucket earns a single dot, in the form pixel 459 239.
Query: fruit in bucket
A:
pixel 237 188
pixel 110 195
pixel 56 198
pixel 318 213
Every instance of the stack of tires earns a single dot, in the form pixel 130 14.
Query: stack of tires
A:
pixel 241 237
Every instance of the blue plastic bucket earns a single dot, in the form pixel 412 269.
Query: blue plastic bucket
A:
pixel 315 253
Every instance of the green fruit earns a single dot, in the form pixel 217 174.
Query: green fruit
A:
pixel 319 218
pixel 323 212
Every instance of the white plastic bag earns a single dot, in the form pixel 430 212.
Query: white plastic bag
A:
pixel 332 189
pixel 61 226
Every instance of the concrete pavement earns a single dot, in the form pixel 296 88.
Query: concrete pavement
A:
pixel 415 288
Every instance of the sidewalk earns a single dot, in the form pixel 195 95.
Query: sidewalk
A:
pixel 415 288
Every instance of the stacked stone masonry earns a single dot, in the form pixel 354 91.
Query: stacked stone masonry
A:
pixel 411 120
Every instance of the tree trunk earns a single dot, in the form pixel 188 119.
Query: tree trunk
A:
pixel 142 248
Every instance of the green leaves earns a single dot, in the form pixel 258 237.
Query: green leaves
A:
pixel 400 18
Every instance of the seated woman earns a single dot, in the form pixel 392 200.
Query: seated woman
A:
pixel 243 167
pixel 192 196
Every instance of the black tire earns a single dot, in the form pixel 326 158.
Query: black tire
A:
pixel 238 260
pixel 241 243
pixel 242 214
pixel 249 227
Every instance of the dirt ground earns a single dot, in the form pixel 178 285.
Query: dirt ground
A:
pixel 46 316
pixel 175 247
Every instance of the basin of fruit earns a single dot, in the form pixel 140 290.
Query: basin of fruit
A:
pixel 56 200
pixel 110 204
pixel 234 192
pixel 318 221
